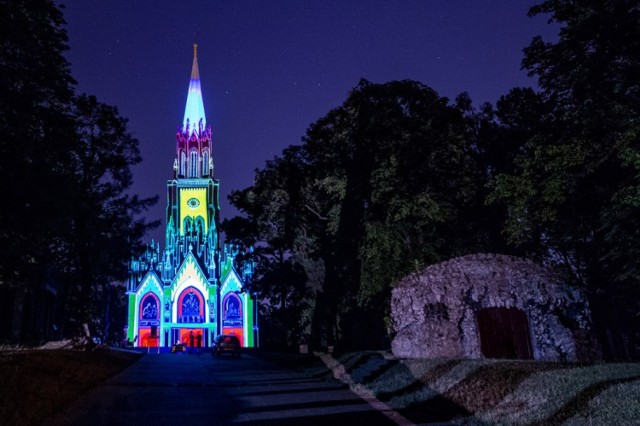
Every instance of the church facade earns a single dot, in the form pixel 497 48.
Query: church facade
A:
pixel 191 287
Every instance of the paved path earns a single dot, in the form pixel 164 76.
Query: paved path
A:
pixel 180 389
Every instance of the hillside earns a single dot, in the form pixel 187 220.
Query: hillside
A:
pixel 492 391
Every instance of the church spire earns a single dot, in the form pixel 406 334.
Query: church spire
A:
pixel 194 110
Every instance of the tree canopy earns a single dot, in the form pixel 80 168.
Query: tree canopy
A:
pixel 574 193
pixel 398 177
pixel 69 223
pixel 384 183
pixel 35 126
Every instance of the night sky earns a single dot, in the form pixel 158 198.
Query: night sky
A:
pixel 271 68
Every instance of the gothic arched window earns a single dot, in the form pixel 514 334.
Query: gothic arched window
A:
pixel 205 162
pixel 199 225
pixel 183 164
pixel 193 164
pixel 232 310
pixel 149 307
pixel 187 225
pixel 191 306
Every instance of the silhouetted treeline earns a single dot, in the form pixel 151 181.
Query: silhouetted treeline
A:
pixel 68 223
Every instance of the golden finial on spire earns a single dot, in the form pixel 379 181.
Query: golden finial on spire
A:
pixel 195 74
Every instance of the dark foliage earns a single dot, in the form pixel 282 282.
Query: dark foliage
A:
pixel 573 194
pixel 67 225
pixel 387 182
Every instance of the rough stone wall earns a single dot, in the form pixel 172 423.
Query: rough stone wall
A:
pixel 434 312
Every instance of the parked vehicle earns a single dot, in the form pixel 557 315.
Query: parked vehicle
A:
pixel 226 343
pixel 178 348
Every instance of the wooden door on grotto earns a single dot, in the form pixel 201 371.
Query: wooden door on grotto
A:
pixel 504 333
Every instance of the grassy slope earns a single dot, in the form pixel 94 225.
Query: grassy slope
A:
pixel 497 391
pixel 37 384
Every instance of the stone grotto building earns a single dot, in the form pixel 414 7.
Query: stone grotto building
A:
pixel 490 306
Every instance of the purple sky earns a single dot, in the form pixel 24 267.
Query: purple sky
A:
pixel 271 68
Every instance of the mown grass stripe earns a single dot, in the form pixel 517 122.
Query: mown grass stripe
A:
pixel 340 373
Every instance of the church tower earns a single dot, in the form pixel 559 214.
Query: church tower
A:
pixel 192 195
pixel 192 287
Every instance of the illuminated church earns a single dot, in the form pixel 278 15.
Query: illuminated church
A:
pixel 192 287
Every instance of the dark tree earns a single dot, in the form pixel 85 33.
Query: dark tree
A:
pixel 271 219
pixel 386 182
pixel 573 195
pixel 67 225
pixel 104 222
pixel 35 130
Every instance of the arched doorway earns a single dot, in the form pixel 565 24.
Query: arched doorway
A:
pixel 186 339
pixel 504 333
